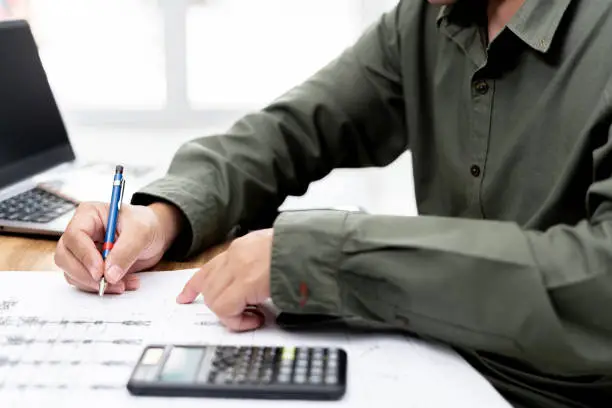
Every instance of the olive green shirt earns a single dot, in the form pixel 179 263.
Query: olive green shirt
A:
pixel 510 259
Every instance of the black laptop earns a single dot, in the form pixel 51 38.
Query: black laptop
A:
pixel 36 156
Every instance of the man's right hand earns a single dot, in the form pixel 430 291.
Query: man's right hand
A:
pixel 143 235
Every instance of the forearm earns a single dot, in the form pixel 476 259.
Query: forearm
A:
pixel 471 284
pixel 337 118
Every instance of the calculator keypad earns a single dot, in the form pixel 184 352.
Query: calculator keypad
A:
pixel 265 365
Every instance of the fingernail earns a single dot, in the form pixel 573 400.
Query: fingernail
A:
pixel 181 297
pixel 117 289
pixel 94 269
pixel 114 274
pixel 257 314
pixel 132 284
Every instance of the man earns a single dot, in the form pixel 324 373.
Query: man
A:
pixel 506 106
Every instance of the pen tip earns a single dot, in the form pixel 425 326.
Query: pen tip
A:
pixel 102 288
pixel 119 169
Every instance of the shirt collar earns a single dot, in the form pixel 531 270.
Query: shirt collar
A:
pixel 444 12
pixel 535 23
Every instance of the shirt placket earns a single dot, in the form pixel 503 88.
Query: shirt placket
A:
pixel 482 94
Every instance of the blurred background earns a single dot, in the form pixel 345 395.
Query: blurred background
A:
pixel 152 74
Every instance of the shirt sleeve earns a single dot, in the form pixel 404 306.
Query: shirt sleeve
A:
pixel 538 296
pixel 349 114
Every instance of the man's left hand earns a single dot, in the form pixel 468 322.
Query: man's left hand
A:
pixel 234 280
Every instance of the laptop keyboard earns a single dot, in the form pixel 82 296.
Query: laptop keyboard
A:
pixel 35 205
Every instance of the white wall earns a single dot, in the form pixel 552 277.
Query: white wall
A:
pixel 140 71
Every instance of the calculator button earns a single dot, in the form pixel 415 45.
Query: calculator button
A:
pixel 152 356
pixel 316 379
pixel 207 370
pixel 219 365
pixel 316 371
pixel 300 379
pixel 284 378
pixel 288 353
pixel 267 377
pixel 145 373
pixel 331 379
pixel 317 363
pixel 253 378
pixel 333 364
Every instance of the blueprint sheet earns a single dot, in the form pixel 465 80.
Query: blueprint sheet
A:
pixel 62 347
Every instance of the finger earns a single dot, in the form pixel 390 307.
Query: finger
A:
pixel 116 289
pixel 132 282
pixel 218 280
pixel 256 310
pixel 80 285
pixel 139 266
pixel 73 268
pixel 246 321
pixel 194 286
pixel 130 244
pixel 230 303
pixel 83 248
pixel 91 219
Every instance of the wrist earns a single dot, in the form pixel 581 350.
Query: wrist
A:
pixel 170 221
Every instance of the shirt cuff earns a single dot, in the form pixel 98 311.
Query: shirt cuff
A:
pixel 306 255
pixel 199 211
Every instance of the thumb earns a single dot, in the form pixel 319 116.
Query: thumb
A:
pixel 246 321
pixel 124 254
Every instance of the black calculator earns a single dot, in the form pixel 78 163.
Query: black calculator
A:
pixel 259 372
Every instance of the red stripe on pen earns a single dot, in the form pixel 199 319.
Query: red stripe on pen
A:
pixel 107 245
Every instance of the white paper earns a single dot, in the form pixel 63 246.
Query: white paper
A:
pixel 62 346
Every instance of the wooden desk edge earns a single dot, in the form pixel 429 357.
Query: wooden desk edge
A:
pixel 36 254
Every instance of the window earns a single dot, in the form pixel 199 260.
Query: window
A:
pixel 181 62
pixel 102 54
pixel 245 53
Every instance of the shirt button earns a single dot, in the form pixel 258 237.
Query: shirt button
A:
pixel 481 87
pixel 475 170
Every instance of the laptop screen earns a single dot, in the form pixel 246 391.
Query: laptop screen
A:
pixel 33 137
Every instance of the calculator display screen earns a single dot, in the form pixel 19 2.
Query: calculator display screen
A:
pixel 181 365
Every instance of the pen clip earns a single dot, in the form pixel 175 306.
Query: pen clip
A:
pixel 121 194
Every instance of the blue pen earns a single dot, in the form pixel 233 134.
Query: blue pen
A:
pixel 113 214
